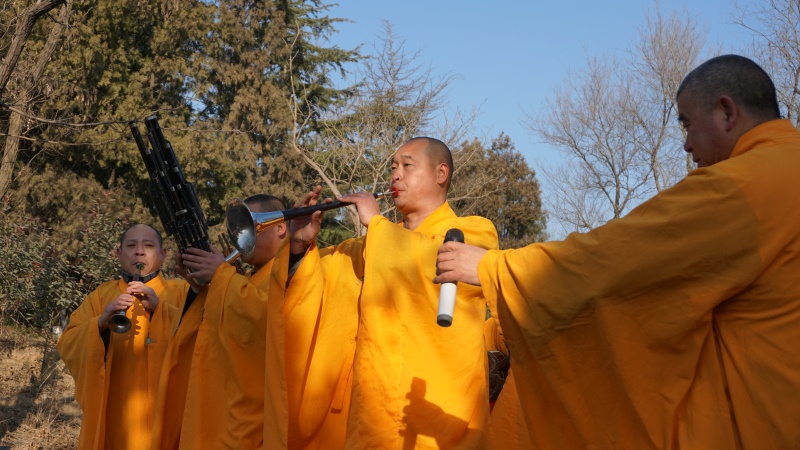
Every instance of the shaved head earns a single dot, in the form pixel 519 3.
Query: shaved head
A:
pixel 737 77
pixel 438 152
pixel 264 203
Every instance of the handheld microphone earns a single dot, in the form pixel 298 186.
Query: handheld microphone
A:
pixel 447 291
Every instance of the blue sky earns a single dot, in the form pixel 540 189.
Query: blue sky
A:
pixel 509 55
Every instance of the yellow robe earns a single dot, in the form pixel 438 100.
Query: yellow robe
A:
pixel 292 322
pixel 508 429
pixel 412 383
pixel 673 327
pixel 116 388
pixel 211 390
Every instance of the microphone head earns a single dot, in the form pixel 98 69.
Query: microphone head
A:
pixel 454 235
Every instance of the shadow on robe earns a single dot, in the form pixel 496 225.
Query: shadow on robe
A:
pixel 423 418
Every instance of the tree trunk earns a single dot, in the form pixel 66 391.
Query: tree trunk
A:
pixel 23 30
pixel 10 151
pixel 16 119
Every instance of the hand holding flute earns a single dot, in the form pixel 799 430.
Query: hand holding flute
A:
pixel 307 217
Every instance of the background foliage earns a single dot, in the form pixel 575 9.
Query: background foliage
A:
pixel 250 95
pixel 246 91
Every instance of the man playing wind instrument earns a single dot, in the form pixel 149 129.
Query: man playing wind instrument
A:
pixel 116 374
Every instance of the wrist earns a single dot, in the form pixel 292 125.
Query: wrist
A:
pixel 102 322
pixel 298 247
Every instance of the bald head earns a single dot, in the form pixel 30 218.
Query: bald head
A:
pixel 264 203
pixel 737 77
pixel 438 153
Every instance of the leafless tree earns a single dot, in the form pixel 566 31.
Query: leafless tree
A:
pixel 775 25
pixel 668 48
pixel 587 121
pixel 615 123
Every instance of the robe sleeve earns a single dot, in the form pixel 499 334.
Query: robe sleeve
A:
pixel 242 334
pixel 82 349
pixel 321 319
pixel 295 308
pixel 596 321
pixel 275 396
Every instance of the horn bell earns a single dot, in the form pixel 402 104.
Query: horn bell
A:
pixel 244 225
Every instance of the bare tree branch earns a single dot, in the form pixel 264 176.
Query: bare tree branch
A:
pixel 23 29
pixel 776 47
pixel 615 124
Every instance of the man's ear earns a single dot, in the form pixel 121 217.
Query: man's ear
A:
pixel 442 173
pixel 730 110
pixel 281 230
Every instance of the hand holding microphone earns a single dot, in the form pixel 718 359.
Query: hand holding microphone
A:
pixel 447 291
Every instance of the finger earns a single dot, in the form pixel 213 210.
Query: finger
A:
pixel 447 248
pixel 446 265
pixel 445 277
pixel 311 198
pixel 123 303
pixel 215 250
pixel 197 251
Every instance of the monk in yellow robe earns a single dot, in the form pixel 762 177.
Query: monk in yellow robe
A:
pixel 116 374
pixel 508 429
pixel 378 371
pixel 212 387
pixel 677 325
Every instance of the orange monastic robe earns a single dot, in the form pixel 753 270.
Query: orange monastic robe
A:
pixel 211 391
pixel 116 388
pixel 375 349
pixel 508 429
pixel 673 327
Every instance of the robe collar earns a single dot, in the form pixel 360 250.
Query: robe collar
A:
pixel 127 277
pixel 443 212
pixel 156 282
pixel 260 277
pixel 763 134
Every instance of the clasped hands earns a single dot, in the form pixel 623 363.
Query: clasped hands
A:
pixel 136 289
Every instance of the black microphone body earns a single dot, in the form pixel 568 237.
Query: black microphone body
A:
pixel 447 291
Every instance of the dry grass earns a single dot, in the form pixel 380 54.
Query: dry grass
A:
pixel 36 411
